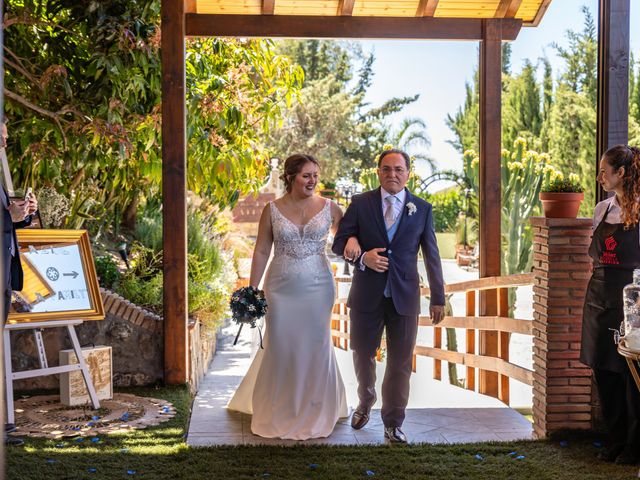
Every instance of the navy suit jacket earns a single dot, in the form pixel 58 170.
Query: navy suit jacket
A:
pixel 13 275
pixel 364 220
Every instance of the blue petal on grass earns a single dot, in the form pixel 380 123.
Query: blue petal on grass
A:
pixel 597 444
pixel 95 418
pixel 131 472
pixel 520 457
pixel 51 461
pixel 313 466
pixel 511 454
pixel 370 473
pixel 95 439
pixel 79 439
pixel 479 457
pixel 92 470
pixel 564 443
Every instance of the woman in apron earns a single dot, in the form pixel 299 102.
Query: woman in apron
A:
pixel 615 250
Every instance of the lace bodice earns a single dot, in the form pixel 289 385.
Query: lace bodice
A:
pixel 300 241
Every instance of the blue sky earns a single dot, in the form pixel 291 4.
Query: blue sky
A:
pixel 438 70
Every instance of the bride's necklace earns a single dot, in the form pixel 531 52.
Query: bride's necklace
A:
pixel 300 211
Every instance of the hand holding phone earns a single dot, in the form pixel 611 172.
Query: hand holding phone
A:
pixel 28 193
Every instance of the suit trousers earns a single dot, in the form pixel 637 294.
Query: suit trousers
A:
pixel 366 333
pixel 620 402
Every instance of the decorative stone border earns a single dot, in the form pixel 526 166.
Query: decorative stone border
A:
pixel 123 308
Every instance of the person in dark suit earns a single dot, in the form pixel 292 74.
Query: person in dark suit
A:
pixel 390 225
pixel 16 214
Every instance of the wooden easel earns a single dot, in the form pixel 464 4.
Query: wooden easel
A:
pixel 44 369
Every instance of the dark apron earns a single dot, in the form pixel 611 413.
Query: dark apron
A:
pixel 615 253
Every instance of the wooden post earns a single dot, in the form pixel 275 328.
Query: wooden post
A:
pixel 3 412
pixel 490 184
pixel 503 343
pixel 174 190
pixel 471 339
pixel 437 343
pixel 612 126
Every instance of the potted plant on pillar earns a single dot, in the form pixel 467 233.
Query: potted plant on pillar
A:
pixel 561 197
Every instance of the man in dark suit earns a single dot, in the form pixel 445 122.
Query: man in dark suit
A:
pixel 16 214
pixel 391 225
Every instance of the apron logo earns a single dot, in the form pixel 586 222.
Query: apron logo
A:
pixel 609 257
pixel 610 243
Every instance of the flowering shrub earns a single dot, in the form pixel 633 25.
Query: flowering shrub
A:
pixel 560 184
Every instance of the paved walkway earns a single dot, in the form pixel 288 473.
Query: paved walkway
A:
pixel 437 411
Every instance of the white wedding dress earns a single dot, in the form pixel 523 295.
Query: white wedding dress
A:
pixel 293 388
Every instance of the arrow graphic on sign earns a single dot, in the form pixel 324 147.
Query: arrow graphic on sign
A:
pixel 73 274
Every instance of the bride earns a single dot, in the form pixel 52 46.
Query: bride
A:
pixel 293 388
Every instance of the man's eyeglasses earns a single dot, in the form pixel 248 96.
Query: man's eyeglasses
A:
pixel 398 170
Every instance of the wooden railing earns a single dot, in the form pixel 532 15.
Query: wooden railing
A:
pixel 494 329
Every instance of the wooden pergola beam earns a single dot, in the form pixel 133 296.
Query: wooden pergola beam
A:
pixel 174 192
pixel 190 6
pixel 345 7
pixel 490 76
pixel 427 8
pixel 268 7
pixel 612 127
pixel 307 26
pixel 507 8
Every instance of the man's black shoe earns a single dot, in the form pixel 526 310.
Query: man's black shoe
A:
pixel 359 418
pixel 13 441
pixel 611 453
pixel 395 435
pixel 10 427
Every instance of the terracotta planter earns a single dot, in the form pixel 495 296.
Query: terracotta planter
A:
pixel 561 204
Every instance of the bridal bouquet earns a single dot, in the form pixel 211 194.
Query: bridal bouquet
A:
pixel 248 304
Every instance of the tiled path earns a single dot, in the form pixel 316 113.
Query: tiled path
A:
pixel 437 412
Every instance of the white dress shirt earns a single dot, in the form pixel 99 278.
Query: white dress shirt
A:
pixel 398 205
pixel 614 215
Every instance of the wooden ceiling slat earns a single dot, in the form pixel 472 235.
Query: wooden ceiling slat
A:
pixel 508 8
pixel 346 7
pixel 427 8
pixel 543 8
pixel 268 7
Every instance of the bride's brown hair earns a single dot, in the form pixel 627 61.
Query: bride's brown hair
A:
pixel 292 167
pixel 628 157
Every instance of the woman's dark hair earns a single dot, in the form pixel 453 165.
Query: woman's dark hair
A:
pixel 292 167
pixel 405 155
pixel 628 157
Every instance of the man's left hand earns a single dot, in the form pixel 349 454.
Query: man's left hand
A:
pixel 437 313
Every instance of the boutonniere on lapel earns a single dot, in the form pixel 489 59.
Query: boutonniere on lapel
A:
pixel 411 208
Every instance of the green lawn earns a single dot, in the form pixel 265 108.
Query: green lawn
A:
pixel 160 453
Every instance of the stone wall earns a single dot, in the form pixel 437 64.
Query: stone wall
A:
pixel 134 334
pixel 563 396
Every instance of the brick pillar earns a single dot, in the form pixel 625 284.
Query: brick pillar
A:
pixel 561 384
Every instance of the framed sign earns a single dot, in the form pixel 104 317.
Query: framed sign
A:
pixel 60 281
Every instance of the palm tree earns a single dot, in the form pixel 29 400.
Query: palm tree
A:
pixel 413 134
